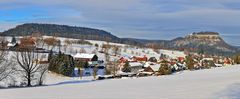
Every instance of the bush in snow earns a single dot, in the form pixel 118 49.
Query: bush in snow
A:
pixel 165 68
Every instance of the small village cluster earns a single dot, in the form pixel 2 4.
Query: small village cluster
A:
pixel 88 64
pixel 147 66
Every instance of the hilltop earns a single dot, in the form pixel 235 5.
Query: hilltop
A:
pixel 204 42
pixel 61 31
pixel 201 42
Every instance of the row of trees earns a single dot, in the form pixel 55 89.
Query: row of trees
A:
pixel 81 41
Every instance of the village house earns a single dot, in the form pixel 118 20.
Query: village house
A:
pixel 11 45
pixel 218 59
pixel 21 43
pixel 135 67
pixel 152 59
pixel 178 67
pixel 96 65
pixel 181 59
pixel 140 59
pixel 150 68
pixel 124 59
pixel 92 62
pixel 227 61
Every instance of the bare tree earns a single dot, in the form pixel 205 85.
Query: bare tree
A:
pixel 59 45
pixel 106 48
pixel 67 42
pixel 42 72
pixel 65 48
pixel 82 50
pixel 6 67
pixel 95 70
pixel 29 62
pixel 115 67
pixel 94 51
pixel 116 50
pixel 39 40
pixel 97 46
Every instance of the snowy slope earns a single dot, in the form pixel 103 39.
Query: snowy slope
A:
pixel 202 84
pixel 126 50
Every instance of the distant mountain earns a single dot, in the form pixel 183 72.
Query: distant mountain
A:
pixel 202 42
pixel 207 42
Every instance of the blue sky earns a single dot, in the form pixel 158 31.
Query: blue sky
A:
pixel 147 19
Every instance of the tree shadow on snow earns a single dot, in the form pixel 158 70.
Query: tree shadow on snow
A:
pixel 72 82
pixel 231 92
pixel 48 85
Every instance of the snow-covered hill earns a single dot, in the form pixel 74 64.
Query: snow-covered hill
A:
pixel 124 50
pixel 216 83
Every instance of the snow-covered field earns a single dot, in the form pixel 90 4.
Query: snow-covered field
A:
pixel 216 83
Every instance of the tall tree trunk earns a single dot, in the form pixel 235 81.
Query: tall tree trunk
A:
pixel 29 80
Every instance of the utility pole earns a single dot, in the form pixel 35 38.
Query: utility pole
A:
pixel 59 46
pixel 114 68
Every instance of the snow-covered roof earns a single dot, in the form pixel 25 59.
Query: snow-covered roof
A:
pixel 134 64
pixel 210 59
pixel 123 73
pixel 155 67
pixel 147 64
pixel 11 44
pixel 83 55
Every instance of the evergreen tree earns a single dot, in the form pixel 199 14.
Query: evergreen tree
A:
pixel 165 68
pixel 201 51
pixel 13 40
pixel 86 65
pixel 190 62
pixel 126 67
pixel 62 64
